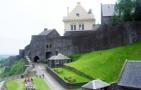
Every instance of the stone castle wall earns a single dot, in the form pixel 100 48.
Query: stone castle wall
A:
pixel 42 45
pixel 84 41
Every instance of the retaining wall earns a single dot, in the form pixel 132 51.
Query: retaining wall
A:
pixel 62 82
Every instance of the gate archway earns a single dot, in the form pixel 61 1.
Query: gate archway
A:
pixel 48 54
pixel 36 58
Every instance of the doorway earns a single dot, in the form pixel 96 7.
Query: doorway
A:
pixel 48 55
pixel 36 58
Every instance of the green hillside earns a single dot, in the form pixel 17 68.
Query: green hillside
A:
pixel 106 64
pixel 13 67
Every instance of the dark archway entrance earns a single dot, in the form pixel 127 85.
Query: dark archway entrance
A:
pixel 48 55
pixel 36 58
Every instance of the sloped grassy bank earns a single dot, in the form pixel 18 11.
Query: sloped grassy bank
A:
pixel 106 64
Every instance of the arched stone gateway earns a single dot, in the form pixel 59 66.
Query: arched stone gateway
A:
pixel 48 54
pixel 36 58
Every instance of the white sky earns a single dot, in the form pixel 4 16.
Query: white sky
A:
pixel 19 19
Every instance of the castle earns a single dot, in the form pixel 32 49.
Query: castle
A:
pixel 81 36
pixel 49 42
pixel 77 40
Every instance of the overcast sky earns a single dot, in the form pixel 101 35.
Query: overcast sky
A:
pixel 19 19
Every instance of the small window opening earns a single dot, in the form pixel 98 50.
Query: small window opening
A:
pixel 47 46
pixel 77 14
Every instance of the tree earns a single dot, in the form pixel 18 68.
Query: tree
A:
pixel 137 14
pixel 124 9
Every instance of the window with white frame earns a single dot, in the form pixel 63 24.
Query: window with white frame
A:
pixel 73 27
pixel 81 26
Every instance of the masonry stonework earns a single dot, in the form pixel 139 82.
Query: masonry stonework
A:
pixel 72 42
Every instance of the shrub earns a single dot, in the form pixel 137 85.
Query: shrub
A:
pixel 45 61
pixel 75 56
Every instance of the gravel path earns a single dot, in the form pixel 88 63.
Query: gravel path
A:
pixel 52 83
pixel 1 84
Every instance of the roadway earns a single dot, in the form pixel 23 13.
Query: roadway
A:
pixel 51 82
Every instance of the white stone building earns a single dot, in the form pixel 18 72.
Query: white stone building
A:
pixel 79 19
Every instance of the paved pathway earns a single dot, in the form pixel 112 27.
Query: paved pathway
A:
pixel 52 83
pixel 1 84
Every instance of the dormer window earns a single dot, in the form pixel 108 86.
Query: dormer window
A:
pixel 77 14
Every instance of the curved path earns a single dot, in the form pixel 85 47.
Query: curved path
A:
pixel 52 83
pixel 1 84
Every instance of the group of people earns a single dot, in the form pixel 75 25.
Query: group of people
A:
pixel 29 81
pixel 29 84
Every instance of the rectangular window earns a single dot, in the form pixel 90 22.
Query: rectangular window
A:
pixel 83 27
pixel 79 26
pixel 74 27
pixel 71 27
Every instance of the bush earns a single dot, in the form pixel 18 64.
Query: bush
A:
pixel 45 61
pixel 70 79
pixel 75 56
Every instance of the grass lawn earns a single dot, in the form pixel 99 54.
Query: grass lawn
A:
pixel 40 84
pixel 15 85
pixel 106 64
pixel 67 73
pixel 19 84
